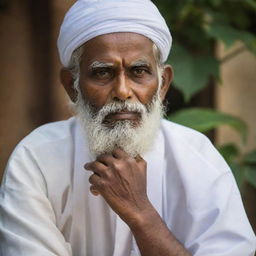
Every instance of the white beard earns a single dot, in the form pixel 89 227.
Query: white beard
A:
pixel 134 140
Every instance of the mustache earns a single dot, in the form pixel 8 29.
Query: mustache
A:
pixel 114 107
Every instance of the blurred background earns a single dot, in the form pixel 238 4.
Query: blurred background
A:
pixel 214 90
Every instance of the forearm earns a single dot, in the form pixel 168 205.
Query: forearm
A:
pixel 121 180
pixel 153 236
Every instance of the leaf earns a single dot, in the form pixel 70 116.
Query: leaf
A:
pixel 229 35
pixel 250 175
pixel 251 3
pixel 250 158
pixel 191 73
pixel 204 120
pixel 229 152
pixel 239 174
pixel 216 3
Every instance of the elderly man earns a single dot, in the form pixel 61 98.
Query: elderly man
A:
pixel 117 180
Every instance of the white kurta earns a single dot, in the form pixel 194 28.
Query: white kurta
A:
pixel 47 209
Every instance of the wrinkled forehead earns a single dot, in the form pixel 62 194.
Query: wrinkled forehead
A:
pixel 119 48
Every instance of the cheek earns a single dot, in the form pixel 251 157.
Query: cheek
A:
pixel 97 97
pixel 145 94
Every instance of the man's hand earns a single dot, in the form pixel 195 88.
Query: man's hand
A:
pixel 121 180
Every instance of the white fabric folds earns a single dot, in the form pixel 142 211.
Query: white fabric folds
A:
pixel 90 18
pixel 46 208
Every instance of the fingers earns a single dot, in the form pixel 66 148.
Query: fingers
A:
pixel 119 153
pixel 97 167
pixel 94 180
pixel 98 184
pixel 141 162
pixel 105 159
pixel 138 158
pixel 105 162
pixel 94 190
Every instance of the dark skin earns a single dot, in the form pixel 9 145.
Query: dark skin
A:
pixel 119 67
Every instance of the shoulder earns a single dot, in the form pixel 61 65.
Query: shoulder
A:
pixel 183 133
pixel 203 194
pixel 183 140
pixel 41 149
pixel 49 133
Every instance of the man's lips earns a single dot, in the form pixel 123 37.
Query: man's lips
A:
pixel 122 115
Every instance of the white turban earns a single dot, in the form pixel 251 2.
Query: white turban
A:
pixel 90 18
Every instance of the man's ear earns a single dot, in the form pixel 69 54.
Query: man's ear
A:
pixel 167 76
pixel 67 81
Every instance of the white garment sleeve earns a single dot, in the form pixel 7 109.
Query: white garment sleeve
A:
pixel 205 210
pixel 27 220
pixel 222 229
pixel 218 225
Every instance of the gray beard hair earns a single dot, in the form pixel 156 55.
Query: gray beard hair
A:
pixel 134 140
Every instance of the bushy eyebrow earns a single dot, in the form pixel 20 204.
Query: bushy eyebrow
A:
pixel 141 63
pixel 98 64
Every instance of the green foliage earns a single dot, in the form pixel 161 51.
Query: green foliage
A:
pixel 250 175
pixel 238 174
pixel 229 152
pixel 243 167
pixel 196 26
pixel 192 73
pixel 249 163
pixel 250 158
pixel 229 36
pixel 205 120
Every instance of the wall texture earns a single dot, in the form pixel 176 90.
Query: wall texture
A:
pixel 237 95
pixel 30 91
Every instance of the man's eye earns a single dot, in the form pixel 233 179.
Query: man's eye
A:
pixel 139 71
pixel 102 73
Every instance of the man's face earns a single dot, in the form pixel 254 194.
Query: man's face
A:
pixel 120 89
pixel 118 67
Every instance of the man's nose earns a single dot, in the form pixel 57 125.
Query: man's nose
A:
pixel 122 88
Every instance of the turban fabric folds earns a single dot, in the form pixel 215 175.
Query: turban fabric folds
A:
pixel 90 18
